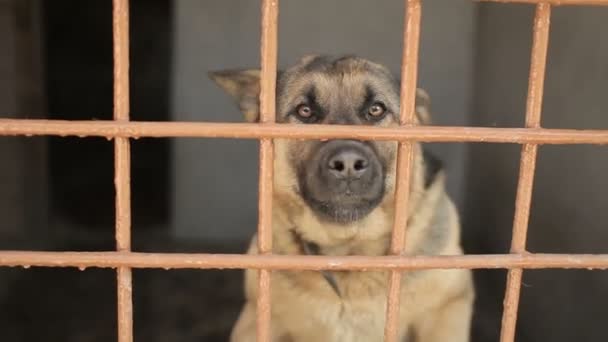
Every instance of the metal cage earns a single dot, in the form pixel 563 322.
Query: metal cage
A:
pixel 122 130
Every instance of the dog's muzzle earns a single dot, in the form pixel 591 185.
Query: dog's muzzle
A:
pixel 344 181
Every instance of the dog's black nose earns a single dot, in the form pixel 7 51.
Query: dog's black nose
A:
pixel 344 180
pixel 349 163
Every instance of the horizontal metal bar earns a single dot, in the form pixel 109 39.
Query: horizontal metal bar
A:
pixel 114 259
pixel 554 2
pixel 109 129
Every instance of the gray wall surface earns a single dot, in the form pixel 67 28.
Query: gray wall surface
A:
pixel 569 203
pixel 212 177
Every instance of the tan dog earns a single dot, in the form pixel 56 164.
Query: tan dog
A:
pixel 336 197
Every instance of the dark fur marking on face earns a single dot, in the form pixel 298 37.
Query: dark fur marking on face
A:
pixel 370 98
pixel 318 113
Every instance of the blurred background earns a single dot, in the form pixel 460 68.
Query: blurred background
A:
pixel 199 195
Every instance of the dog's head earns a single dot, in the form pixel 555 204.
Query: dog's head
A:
pixel 339 181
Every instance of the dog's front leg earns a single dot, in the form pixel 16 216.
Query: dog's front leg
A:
pixel 450 322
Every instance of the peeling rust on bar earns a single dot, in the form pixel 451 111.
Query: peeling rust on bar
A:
pixel 536 81
pixel 268 77
pixel 114 259
pixel 122 166
pixel 111 129
pixel 409 75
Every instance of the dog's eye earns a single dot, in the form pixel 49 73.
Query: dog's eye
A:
pixel 304 112
pixel 377 110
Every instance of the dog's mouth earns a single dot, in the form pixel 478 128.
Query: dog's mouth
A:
pixel 344 182
pixel 342 212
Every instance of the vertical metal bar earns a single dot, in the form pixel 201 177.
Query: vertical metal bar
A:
pixel 268 47
pixel 527 167
pixel 122 164
pixel 409 74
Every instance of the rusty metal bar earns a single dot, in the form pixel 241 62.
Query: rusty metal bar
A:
pixel 538 62
pixel 110 129
pixel 554 2
pixel 122 165
pixel 113 259
pixel 409 74
pixel 268 77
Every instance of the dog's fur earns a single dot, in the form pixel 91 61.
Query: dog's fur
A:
pixel 350 306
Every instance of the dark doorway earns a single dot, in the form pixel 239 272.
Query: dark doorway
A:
pixel 78 39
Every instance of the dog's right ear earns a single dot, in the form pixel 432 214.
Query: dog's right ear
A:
pixel 244 87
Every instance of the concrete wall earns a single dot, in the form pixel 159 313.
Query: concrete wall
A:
pixel 569 203
pixel 212 177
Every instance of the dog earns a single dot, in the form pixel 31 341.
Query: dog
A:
pixel 336 197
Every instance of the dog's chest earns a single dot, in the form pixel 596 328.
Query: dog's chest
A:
pixel 314 312
pixel 360 321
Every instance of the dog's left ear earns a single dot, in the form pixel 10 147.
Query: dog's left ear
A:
pixel 244 87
